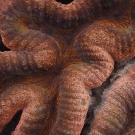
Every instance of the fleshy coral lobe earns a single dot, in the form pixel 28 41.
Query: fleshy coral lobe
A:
pixel 60 51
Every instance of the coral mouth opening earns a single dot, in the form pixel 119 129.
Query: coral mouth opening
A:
pixel 65 1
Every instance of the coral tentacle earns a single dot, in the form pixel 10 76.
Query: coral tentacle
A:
pixel 75 82
pixel 34 103
pixel 73 106
pixel 29 42
pixel 22 62
pixel 119 42
pixel 111 117
pixel 99 62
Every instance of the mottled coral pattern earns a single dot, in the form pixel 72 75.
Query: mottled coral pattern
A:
pixel 113 117
pixel 59 50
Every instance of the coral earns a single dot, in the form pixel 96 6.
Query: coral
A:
pixel 3 5
pixel 59 50
pixel 33 94
pixel 116 114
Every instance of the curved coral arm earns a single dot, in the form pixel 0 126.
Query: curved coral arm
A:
pixel 119 43
pixel 44 56
pixel 30 49
pixel 116 36
pixel 75 81
pixel 111 117
pixel 72 14
pixel 57 13
pixel 32 100
pixel 23 62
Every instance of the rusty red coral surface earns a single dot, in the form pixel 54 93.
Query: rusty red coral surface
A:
pixel 58 52
pixel 118 104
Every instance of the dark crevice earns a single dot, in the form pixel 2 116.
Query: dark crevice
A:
pixel 3 47
pixel 10 127
pixel 65 1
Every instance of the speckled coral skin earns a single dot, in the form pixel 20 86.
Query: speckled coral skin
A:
pixel 118 104
pixel 75 45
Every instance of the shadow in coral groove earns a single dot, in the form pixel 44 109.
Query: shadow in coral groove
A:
pixel 12 124
pixel 3 47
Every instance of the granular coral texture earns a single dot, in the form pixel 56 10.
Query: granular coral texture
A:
pixel 58 53
pixel 99 95
pixel 118 103
pixel 3 5
pixel 96 94
pixel 37 98
pixel 28 115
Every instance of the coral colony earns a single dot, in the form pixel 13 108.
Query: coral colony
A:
pixel 59 50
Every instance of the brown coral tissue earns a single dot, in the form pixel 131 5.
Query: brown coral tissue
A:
pixel 57 51
pixel 116 114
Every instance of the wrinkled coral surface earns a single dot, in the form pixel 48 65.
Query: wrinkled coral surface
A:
pixel 59 50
